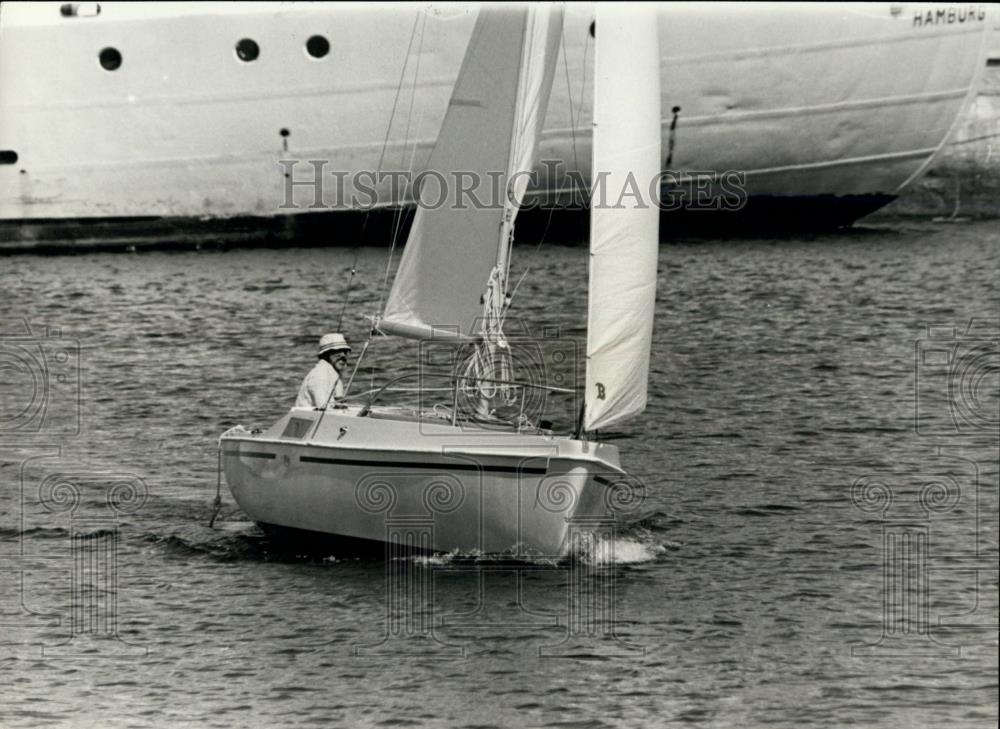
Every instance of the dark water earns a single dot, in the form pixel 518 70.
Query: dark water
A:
pixel 767 580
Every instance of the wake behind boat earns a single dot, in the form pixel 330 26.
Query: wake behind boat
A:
pixel 464 476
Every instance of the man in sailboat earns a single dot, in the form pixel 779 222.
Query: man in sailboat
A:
pixel 324 383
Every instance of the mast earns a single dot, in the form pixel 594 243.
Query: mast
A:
pixel 624 227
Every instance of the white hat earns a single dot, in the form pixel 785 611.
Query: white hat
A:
pixel 332 342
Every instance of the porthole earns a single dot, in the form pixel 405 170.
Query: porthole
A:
pixel 80 10
pixel 110 59
pixel 247 50
pixel 317 46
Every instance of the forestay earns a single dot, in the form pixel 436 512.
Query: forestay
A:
pixel 624 227
pixel 491 128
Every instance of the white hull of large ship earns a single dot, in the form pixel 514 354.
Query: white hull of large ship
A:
pixel 803 102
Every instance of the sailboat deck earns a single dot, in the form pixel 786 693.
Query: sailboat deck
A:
pixel 388 430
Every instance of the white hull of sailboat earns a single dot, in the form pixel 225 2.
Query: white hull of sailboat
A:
pixel 429 485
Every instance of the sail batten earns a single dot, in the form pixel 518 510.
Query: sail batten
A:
pixel 624 229
pixel 453 249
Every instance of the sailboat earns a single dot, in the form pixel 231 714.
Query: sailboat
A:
pixel 448 479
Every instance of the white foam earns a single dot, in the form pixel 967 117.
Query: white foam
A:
pixel 235 526
pixel 444 558
pixel 596 553
pixel 623 550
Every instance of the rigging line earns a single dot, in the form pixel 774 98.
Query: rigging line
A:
pixel 527 268
pixel 522 107
pixel 398 219
pixel 381 159
pixel 583 82
pixel 528 107
pixel 416 77
pixel 350 281
pixel 533 106
pixel 421 22
pixel 576 163
pixel 533 103
pixel 398 223
pixel 399 86
pixel 357 365
pixel 569 95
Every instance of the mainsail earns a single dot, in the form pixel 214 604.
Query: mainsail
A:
pixel 458 246
pixel 624 225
